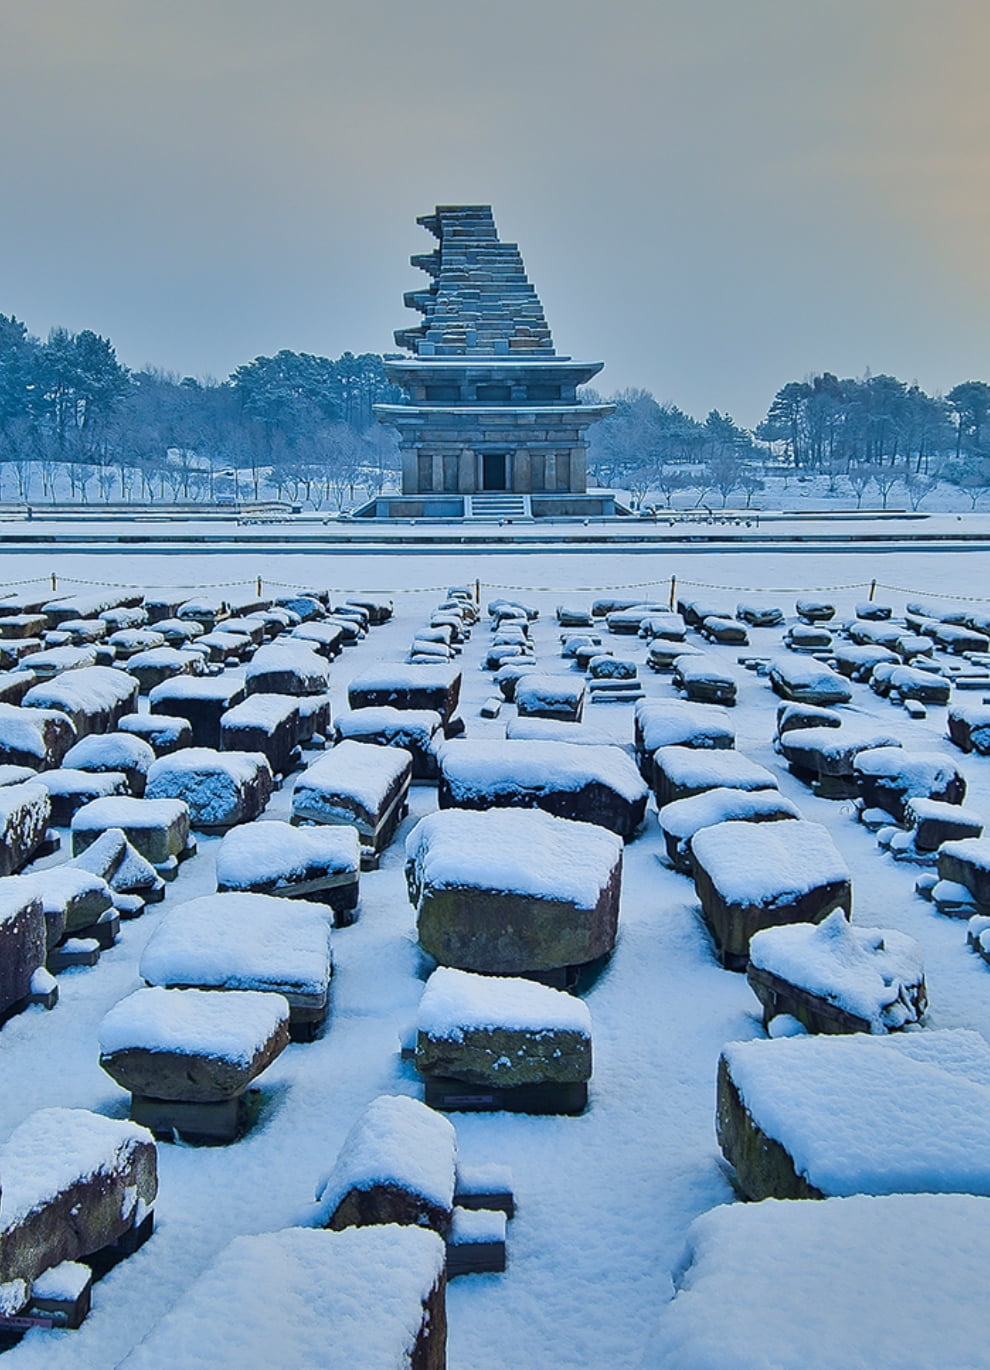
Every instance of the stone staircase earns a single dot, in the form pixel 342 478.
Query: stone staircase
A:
pixel 496 506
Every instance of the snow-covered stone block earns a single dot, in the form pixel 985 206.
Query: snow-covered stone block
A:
pixel 907 682
pixel 663 624
pixel 417 731
pixel 701 678
pixel 969 727
pixel 266 723
pixel 499 1031
pixel 695 611
pixel 38 738
pixel 758 875
pixel 805 637
pixel 88 604
pixel 888 776
pixel 120 751
pixel 74 1182
pixel 398 1164
pixel 834 977
pixel 793 716
pixel 368 1296
pixel 14 685
pixel 69 789
pixel 612 668
pixel 357 784
pixel 407 687
pixel 808 682
pixel 540 695
pixel 570 616
pixel 934 822
pixel 72 900
pixel 813 610
pixel 197 1046
pixel 112 857
pixel 22 625
pixel 25 812
pixel 379 610
pixel 247 941
pixel 873 633
pixel 201 701
pixel 678 722
pixel 321 863
pixel 219 788
pixel 57 657
pixel 827 1116
pixel 157 828
pixel 759 614
pixel 724 630
pixel 825 756
pixel 315 719
pixel 223 646
pixel 815 1286
pixel 287 668
pixel 512 892
pixel 967 863
pixel 329 639
pixel 163 734
pixel 552 730
pixel 507 677
pixel 679 772
pixel 959 640
pixel 23 946
pixel 149 668
pixel 94 698
pixel 127 642
pixel 680 820
pixel 857 662
pixel 589 784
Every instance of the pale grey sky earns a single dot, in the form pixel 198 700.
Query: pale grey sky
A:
pixel 712 196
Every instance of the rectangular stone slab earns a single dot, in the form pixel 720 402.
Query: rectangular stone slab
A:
pixel 773 852
pixel 25 812
pixel 328 1304
pixel 94 1209
pixel 359 784
pixel 23 944
pixel 157 828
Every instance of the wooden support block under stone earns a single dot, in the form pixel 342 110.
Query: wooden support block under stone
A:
pixel 476 1242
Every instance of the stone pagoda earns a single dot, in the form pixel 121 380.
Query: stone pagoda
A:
pixel 493 424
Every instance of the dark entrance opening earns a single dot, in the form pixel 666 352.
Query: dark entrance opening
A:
pixel 493 471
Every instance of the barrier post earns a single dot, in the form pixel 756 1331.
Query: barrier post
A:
pixel 873 590
pixel 54 582
pixel 259 587
pixel 477 593
pixel 673 592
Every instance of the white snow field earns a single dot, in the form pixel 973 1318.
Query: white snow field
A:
pixel 605 1200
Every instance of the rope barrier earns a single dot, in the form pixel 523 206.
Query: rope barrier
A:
pixel 670 582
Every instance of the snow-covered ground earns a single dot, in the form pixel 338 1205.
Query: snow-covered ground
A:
pixel 605 1199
